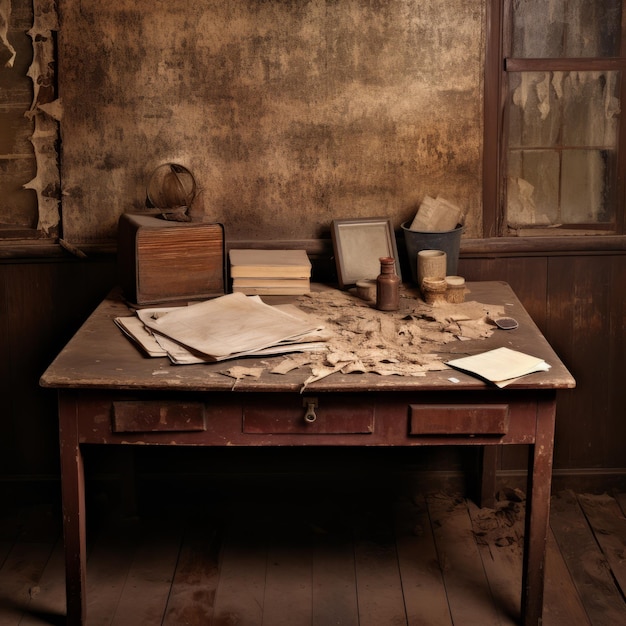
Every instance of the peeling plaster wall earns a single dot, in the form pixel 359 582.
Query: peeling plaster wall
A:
pixel 18 207
pixel 290 113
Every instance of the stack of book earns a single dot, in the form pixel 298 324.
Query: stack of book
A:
pixel 270 272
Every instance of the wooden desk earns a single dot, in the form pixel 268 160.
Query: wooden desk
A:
pixel 110 394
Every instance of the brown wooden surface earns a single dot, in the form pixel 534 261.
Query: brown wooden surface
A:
pixel 588 566
pixel 209 566
pixel 99 356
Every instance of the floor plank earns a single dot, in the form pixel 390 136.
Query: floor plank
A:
pixel 608 524
pixel 499 534
pixel 192 596
pixel 379 588
pixel 422 581
pixel 47 604
pixel 334 579
pixel 243 564
pixel 108 563
pixel 288 586
pixel 371 559
pixel 585 562
pixel 465 581
pixel 562 605
pixel 147 586
pixel 19 578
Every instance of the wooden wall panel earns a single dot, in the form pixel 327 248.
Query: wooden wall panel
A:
pixel 578 305
pixel 43 304
pixel 577 302
pixel 581 296
pixel 615 451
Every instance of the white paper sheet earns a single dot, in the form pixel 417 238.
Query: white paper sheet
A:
pixel 228 326
pixel 500 366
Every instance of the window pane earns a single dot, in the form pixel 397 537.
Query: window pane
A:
pixel 584 195
pixel 590 108
pixel 533 188
pixel 562 138
pixel 566 28
pixel 586 186
pixel 568 108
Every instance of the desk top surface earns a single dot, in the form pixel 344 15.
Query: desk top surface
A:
pixel 99 356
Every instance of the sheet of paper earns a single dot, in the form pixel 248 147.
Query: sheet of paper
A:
pixel 134 328
pixel 500 366
pixel 179 355
pixel 229 325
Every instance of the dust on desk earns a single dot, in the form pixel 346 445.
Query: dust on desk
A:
pixel 403 343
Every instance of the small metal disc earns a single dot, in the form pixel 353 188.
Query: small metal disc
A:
pixel 506 323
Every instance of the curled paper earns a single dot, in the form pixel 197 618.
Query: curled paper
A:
pixel 5 44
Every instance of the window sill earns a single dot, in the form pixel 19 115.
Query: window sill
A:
pixel 490 247
pixel 544 246
pixel 44 249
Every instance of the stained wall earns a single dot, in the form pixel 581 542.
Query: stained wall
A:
pixel 290 113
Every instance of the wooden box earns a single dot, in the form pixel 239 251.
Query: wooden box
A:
pixel 163 261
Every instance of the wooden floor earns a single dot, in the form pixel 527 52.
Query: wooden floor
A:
pixel 366 560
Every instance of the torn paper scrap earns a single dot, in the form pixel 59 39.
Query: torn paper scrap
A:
pixel 5 45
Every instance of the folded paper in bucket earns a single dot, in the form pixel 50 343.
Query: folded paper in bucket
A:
pixel 436 214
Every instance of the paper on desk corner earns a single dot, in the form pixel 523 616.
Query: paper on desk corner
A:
pixel 501 366
pixel 135 330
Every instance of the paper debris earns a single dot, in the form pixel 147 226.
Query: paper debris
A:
pixel 291 363
pixel 240 372
pixel 5 45
pixel 404 344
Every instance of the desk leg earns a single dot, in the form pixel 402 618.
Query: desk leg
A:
pixel 73 496
pixel 538 513
pixel 488 466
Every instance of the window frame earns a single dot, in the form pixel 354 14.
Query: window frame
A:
pixel 495 138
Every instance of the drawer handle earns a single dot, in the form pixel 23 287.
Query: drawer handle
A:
pixel 311 404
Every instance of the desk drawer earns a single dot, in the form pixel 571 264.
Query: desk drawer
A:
pixel 137 416
pixel 306 415
pixel 455 420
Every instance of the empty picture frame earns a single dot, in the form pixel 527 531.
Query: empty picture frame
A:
pixel 359 244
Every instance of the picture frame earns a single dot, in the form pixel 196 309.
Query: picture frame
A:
pixel 359 244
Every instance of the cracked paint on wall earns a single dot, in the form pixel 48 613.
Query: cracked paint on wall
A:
pixel 6 49
pixel 46 113
pixel 289 114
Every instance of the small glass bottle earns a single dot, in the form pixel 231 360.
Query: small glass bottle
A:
pixel 388 286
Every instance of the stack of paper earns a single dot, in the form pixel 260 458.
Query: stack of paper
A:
pixel 224 328
pixel 270 272
pixel 501 366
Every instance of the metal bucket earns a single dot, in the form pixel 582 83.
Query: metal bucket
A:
pixel 449 241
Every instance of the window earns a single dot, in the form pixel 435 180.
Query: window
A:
pixel 29 171
pixel 556 109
